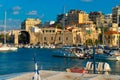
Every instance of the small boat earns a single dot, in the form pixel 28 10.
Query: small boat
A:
pixel 5 48
pixel 77 70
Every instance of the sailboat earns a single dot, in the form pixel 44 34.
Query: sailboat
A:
pixel 4 47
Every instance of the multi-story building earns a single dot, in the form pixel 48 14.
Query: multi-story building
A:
pixel 76 17
pixel 29 23
pixel 97 18
pixel 112 37
pixel 55 36
pixel 116 15
pixel 108 20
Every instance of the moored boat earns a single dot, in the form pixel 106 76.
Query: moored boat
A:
pixel 107 57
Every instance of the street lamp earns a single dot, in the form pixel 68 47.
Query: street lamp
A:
pixel 118 29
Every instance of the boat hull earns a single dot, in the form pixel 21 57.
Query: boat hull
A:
pixel 107 57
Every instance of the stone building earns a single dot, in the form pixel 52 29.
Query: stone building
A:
pixel 30 22
pixel 28 25
pixel 55 36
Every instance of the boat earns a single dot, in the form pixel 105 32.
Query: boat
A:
pixel 100 67
pixel 4 47
pixel 64 53
pixel 107 57
pixel 77 70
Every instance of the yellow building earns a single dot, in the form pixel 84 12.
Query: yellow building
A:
pixel 76 17
pixel 84 32
pixel 112 36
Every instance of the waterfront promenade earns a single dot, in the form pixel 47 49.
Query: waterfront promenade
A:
pixel 58 75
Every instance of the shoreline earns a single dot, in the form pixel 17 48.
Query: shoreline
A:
pixel 59 75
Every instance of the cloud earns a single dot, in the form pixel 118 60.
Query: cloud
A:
pixel 86 0
pixel 13 20
pixel 32 12
pixel 16 8
pixel 16 12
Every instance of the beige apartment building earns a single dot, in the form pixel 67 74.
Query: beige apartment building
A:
pixel 76 17
pixel 97 18
pixel 116 15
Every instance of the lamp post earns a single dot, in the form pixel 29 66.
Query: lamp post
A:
pixel 118 29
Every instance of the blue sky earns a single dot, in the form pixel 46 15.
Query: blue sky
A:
pixel 46 10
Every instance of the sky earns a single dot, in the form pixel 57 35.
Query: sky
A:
pixel 47 10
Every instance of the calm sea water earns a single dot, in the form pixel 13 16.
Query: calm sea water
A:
pixel 22 61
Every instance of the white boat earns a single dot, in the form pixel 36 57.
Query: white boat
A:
pixel 4 47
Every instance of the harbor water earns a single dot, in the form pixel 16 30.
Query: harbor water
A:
pixel 22 61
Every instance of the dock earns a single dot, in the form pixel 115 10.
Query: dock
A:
pixel 59 75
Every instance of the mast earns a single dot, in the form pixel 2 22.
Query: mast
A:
pixel 63 27
pixel 118 28
pixel 5 28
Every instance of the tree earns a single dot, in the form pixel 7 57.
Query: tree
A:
pixel 59 26
pixel 89 42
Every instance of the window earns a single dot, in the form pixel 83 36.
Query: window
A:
pixel 59 38
pixel 51 38
pixel 66 38
pixel 44 38
pixel 46 30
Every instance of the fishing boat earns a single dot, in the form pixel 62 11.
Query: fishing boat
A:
pixel 4 47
